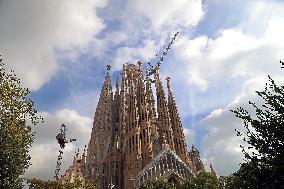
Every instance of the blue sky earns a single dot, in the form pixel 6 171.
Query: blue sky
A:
pixel 222 55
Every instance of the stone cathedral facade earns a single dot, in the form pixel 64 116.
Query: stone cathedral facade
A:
pixel 137 137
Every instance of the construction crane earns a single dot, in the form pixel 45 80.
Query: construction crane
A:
pixel 163 55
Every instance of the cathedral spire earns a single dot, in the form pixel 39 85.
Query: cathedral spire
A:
pixel 164 121
pixel 122 106
pixel 179 138
pixel 84 154
pixel 141 98
pixel 133 108
pixel 212 171
pixel 149 96
pixel 117 84
pixel 116 104
pixel 102 128
pixel 168 84
pixel 193 149
pixel 171 99
pixel 195 159
pixel 133 159
pixel 107 82
pixel 116 94
pixel 145 117
pixel 127 134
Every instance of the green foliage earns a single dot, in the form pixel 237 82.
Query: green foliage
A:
pixel 203 180
pixel 160 184
pixel 16 116
pixel 264 166
pixel 230 182
pixel 43 184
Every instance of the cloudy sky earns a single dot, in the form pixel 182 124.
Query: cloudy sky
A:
pixel 224 52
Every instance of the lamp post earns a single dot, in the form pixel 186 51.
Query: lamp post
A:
pixel 61 139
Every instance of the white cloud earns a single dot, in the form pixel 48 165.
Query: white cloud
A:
pixel 235 51
pixel 231 54
pixel 145 26
pixel 190 136
pixel 85 103
pixel 248 53
pixel 133 54
pixel 180 13
pixel 222 145
pixel 217 67
pixel 44 151
pixel 31 31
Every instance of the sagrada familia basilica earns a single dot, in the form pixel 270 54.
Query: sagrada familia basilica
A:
pixel 136 139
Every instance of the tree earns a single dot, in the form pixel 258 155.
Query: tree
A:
pixel 264 132
pixel 17 114
pixel 230 182
pixel 43 184
pixel 159 184
pixel 203 180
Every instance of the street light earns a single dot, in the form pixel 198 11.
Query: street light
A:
pixel 61 139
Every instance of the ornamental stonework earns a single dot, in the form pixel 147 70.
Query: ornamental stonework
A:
pixel 134 138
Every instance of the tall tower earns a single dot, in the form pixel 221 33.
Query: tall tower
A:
pixel 114 153
pixel 133 160
pixel 178 134
pixel 197 164
pixel 164 120
pixel 146 116
pixel 99 144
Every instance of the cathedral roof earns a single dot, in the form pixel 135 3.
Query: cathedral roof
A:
pixel 175 166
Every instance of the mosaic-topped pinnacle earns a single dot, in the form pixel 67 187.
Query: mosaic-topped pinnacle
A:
pixel 168 83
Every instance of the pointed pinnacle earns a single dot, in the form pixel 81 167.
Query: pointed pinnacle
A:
pixel 117 82
pixel 139 63
pixel 193 149
pixel 168 83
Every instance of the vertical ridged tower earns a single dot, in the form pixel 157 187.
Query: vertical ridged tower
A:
pixel 128 133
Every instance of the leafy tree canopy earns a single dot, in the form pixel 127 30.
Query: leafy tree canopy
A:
pixel 43 184
pixel 17 114
pixel 159 184
pixel 264 166
pixel 203 180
